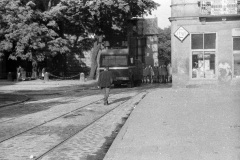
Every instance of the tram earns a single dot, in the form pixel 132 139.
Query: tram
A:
pixel 125 68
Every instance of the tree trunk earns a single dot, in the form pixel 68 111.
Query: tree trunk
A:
pixel 94 62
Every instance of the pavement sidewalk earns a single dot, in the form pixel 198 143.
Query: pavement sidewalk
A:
pixel 10 91
pixel 201 123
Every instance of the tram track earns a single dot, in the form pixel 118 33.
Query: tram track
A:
pixel 69 92
pixel 61 93
pixel 72 135
pixel 64 92
pixel 47 121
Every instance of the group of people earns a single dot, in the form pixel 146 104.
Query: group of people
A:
pixel 22 74
pixel 161 74
pixel 157 74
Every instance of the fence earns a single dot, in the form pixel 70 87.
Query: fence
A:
pixel 30 75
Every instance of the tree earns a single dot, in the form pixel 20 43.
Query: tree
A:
pixel 39 28
pixel 101 18
pixel 28 33
pixel 164 44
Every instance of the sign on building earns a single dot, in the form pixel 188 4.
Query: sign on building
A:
pixel 220 7
pixel 181 33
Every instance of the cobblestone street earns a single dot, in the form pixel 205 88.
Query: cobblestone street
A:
pixel 26 135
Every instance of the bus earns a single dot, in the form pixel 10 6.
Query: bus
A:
pixel 125 69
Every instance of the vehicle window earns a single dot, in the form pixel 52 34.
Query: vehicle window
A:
pixel 113 61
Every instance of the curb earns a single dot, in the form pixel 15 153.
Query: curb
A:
pixel 111 151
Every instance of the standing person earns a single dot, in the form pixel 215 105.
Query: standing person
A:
pixel 104 82
pixel 144 75
pixel 151 74
pixel 23 74
pixel 18 73
pixel 169 69
pixel 43 72
pixel 148 74
pixel 160 73
pixel 164 72
pixel 155 70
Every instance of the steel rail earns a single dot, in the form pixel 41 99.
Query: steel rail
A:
pixel 85 127
pixel 29 129
pixel 64 93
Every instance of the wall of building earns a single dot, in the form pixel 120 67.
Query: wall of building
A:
pixel 184 8
pixel 151 51
pixel 186 14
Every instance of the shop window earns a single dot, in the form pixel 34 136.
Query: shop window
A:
pixel 203 55
pixel 203 64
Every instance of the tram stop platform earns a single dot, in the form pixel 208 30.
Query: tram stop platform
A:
pixel 195 123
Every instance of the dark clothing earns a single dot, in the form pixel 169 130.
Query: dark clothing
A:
pixel 105 79
pixel 164 71
pixel 104 82
pixel 106 92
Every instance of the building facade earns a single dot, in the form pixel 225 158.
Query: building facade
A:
pixel 143 40
pixel 205 41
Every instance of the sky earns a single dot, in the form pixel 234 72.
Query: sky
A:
pixel 163 13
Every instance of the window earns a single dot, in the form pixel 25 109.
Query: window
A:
pixel 204 41
pixel 236 44
pixel 197 41
pixel 114 61
pixel 236 56
pixel 203 55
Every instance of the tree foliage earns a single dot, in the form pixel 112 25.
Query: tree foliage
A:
pixel 35 29
pixel 164 44
pixel 27 33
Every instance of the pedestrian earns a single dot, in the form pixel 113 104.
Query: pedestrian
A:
pixel 144 75
pixel 148 74
pixel 164 73
pixel 18 73
pixel 104 82
pixel 151 74
pixel 43 72
pixel 169 70
pixel 155 77
pixel 160 75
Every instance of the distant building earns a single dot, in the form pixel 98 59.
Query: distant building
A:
pixel 205 41
pixel 143 40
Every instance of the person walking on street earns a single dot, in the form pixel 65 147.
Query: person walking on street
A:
pixel 104 82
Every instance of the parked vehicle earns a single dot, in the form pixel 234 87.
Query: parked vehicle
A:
pixel 125 69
